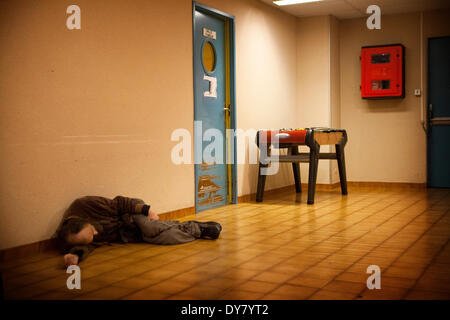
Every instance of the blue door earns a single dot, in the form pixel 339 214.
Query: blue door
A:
pixel 209 111
pixel 439 112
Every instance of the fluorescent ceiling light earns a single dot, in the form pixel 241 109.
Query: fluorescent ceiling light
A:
pixel 289 2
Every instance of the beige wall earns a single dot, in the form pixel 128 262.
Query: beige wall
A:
pixel 386 140
pixel 318 83
pixel 313 82
pixel 92 111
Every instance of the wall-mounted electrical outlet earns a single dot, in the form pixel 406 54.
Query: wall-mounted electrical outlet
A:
pixel 417 92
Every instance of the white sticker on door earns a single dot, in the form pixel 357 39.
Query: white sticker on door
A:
pixel 212 93
pixel 209 33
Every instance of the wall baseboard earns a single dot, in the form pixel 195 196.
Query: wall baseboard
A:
pixel 376 184
pixel 27 250
pixel 177 214
pixel 252 197
pixel 50 244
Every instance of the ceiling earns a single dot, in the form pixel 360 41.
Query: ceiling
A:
pixel 348 9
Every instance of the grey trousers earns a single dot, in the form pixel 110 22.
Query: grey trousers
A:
pixel 166 232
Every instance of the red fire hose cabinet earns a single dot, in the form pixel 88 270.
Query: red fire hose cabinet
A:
pixel 383 72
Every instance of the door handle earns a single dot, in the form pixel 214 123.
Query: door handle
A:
pixel 227 108
pixel 440 121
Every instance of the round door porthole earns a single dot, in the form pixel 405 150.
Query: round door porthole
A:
pixel 209 57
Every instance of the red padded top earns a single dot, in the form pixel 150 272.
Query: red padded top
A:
pixel 285 136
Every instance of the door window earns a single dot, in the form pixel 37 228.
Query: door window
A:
pixel 209 57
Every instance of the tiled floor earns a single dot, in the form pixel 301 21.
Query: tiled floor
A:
pixel 279 249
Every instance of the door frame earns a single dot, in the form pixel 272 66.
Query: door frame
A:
pixel 428 111
pixel 230 21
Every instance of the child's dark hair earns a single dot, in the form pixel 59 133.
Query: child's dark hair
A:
pixel 70 226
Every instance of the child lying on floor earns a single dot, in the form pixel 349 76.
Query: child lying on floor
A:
pixel 92 221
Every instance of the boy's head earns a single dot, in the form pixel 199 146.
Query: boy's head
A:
pixel 76 231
